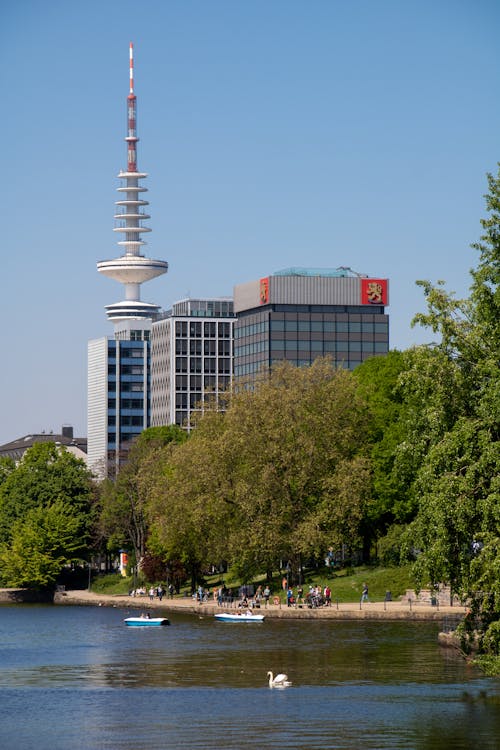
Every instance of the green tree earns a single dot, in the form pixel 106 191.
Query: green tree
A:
pixel 456 474
pixel 46 473
pixel 42 543
pixel 247 484
pixel 379 379
pixel 122 519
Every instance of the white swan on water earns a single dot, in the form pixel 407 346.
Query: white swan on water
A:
pixel 281 680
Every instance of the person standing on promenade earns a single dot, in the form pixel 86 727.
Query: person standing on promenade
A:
pixel 267 594
pixel 364 593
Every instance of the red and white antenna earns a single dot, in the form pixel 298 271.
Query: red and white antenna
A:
pixel 132 268
pixel 131 68
pixel 131 119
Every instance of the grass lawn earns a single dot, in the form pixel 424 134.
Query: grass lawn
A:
pixel 346 584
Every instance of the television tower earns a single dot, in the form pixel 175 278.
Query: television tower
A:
pixel 132 268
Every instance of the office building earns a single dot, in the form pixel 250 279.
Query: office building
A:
pixel 191 359
pixel 300 313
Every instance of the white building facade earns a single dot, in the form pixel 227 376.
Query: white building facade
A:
pixel 191 359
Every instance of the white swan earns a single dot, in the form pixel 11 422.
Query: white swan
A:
pixel 281 680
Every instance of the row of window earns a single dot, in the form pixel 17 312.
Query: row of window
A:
pixel 207 364
pixel 334 326
pixel 318 347
pixel 126 369
pixel 197 347
pixel 126 403
pixel 197 329
pixel 208 308
pixel 191 400
pixel 201 383
pixel 250 330
pixel 127 387
pixel 254 348
pixel 125 437
pixel 126 421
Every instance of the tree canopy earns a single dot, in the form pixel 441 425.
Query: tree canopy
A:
pixel 45 514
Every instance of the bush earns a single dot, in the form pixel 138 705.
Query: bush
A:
pixel 491 639
pixel 389 546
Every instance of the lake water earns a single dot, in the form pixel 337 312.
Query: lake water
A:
pixel 77 677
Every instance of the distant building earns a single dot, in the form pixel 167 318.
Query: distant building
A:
pixel 299 314
pixel 118 396
pixel 17 448
pixel 191 358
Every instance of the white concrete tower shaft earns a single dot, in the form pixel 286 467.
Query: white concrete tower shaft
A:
pixel 132 268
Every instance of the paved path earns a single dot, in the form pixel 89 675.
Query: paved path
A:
pixel 397 610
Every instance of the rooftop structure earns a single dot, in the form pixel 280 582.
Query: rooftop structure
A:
pixel 17 448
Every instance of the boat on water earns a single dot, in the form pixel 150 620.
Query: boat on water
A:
pixel 239 617
pixel 143 621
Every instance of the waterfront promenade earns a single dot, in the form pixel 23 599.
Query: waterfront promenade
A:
pixel 396 610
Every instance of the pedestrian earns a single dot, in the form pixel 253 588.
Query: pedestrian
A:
pixel 171 590
pixel 160 592
pixel 364 593
pixel 151 594
pixel 267 594
pixel 327 595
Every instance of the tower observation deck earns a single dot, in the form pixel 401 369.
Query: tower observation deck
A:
pixel 132 268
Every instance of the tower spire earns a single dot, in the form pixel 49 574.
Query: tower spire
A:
pixel 132 118
pixel 132 268
pixel 131 67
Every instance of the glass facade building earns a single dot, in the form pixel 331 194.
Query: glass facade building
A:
pixel 118 398
pixel 299 317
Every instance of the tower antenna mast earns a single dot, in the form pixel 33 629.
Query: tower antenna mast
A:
pixel 131 269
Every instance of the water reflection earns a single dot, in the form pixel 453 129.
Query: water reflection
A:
pixel 204 684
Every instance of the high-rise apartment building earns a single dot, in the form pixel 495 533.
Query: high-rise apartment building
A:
pixel 191 358
pixel 299 314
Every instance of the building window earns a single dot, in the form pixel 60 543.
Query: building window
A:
pixel 209 330
pixel 181 328
pixel 181 382
pixel 195 364
pixel 181 346
pixel 209 348
pixel 195 347
pixel 224 348
pixel 195 382
pixel 181 364
pixel 195 330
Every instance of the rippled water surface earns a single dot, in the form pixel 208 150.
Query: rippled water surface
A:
pixel 77 677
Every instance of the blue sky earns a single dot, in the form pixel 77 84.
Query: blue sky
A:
pixel 276 133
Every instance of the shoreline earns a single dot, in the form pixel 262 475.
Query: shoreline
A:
pixel 396 610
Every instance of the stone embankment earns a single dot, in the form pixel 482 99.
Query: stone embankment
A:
pixel 406 609
pixel 24 596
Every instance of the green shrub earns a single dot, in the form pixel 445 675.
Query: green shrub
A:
pixel 491 640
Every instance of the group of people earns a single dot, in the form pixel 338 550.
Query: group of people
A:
pixel 154 591
pixel 315 597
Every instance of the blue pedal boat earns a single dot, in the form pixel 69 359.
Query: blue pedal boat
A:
pixel 146 622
